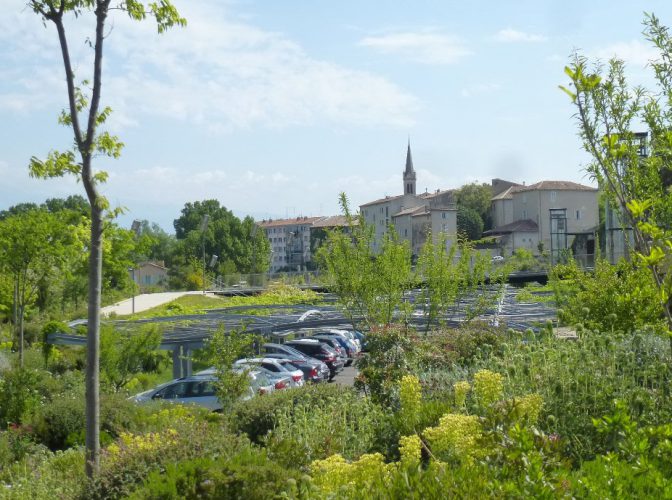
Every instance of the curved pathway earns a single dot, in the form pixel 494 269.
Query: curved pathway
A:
pixel 145 301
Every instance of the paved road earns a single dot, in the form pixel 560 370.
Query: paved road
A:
pixel 346 377
pixel 145 301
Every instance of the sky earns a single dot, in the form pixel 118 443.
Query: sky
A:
pixel 275 107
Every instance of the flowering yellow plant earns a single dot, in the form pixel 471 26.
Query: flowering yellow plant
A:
pixel 528 407
pixel 334 475
pixel 410 395
pixel 130 444
pixel 172 415
pixel 461 389
pixel 456 435
pixel 488 386
pixel 410 448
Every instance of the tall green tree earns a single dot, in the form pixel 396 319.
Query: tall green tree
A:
pixel 238 244
pixel 31 248
pixel 476 197
pixel 84 116
pixel 469 223
pixel 634 173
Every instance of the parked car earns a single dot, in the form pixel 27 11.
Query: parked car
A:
pixel 200 390
pixel 348 334
pixel 348 347
pixel 275 367
pixel 260 381
pixel 314 370
pixel 335 344
pixel 279 380
pixel 319 350
pixel 361 338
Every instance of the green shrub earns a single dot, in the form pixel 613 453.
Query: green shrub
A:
pixel 390 356
pixel 15 444
pixel 60 422
pixel 181 434
pixel 611 298
pixel 476 339
pixel 347 424
pixel 249 474
pixel 259 415
pixel 580 379
pixel 46 475
pixel 19 395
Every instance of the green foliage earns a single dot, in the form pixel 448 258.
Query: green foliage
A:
pixel 45 475
pixel 259 415
pixel 523 260
pixel 476 197
pixel 389 357
pixel 239 244
pixel 32 247
pixel 221 351
pixel 634 172
pixel 461 346
pixel 19 395
pixel 611 298
pixel 449 275
pixel 469 223
pixel 59 423
pixel 248 474
pixel 580 379
pixel 318 425
pixel 123 354
pixel 166 435
pixel 369 282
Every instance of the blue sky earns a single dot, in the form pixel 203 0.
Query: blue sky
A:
pixel 275 107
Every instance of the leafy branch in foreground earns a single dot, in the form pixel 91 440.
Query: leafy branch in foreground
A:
pixel 634 171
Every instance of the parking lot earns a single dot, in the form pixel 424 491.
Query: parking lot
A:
pixel 346 377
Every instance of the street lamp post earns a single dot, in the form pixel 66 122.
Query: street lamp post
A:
pixel 204 226
pixel 132 270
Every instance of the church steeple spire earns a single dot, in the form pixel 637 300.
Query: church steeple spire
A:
pixel 409 173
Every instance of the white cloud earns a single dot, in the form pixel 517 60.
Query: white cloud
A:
pixel 426 47
pixel 510 35
pixel 170 184
pixel 218 72
pixel 633 52
pixel 479 89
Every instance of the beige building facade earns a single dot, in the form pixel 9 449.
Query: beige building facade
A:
pixel 536 216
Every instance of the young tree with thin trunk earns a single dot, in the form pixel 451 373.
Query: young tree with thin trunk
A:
pixel 634 171
pixel 32 245
pixel 85 115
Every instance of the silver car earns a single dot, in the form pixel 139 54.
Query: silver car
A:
pixel 275 369
pixel 200 390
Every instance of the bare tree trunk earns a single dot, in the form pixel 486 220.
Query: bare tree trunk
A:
pixel 93 344
pixel 15 308
pixel 21 311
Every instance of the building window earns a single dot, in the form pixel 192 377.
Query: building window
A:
pixel 524 214
pixel 405 232
pixel 553 195
pixel 443 215
pixel 578 215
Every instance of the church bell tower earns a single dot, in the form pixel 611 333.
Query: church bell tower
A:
pixel 409 173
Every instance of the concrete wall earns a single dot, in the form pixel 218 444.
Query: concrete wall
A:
pixel 148 275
